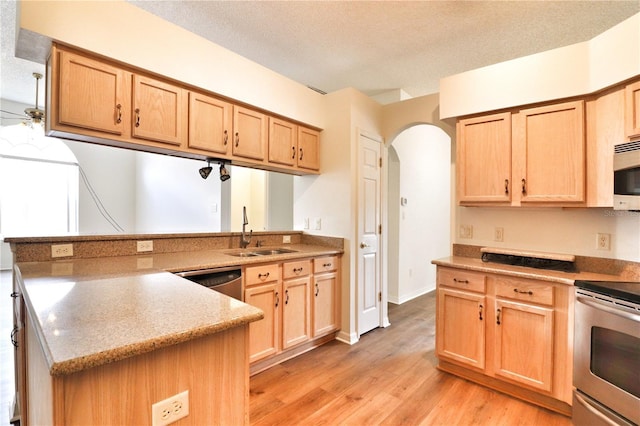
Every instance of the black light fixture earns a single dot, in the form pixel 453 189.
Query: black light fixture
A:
pixel 206 171
pixel 224 174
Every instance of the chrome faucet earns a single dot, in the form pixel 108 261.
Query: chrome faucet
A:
pixel 244 242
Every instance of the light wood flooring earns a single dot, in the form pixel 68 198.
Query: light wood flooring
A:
pixel 387 378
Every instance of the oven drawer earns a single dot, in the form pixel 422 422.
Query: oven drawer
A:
pixel 524 290
pixel 262 274
pixel 466 280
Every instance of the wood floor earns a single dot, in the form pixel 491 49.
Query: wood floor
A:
pixel 387 378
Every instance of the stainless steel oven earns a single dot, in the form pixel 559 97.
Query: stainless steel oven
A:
pixel 607 354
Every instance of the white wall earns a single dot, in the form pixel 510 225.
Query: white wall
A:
pixel 172 197
pixel 425 221
pixel 579 69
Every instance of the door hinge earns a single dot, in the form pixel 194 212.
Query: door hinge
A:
pixel 380 229
pixel 380 161
pixel 380 296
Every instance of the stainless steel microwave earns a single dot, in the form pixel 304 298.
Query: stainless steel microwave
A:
pixel 626 176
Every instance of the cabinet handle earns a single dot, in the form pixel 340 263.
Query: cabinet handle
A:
pixel 226 138
pixel 237 139
pixel 530 293
pixel 506 186
pixel 286 294
pixel 301 154
pixel 317 290
pixel 297 270
pixel 326 265
pixel 137 111
pixel 480 311
pixel 498 317
pixel 277 299
pixel 524 186
pixel 293 154
pixel 14 341
pixel 260 276
pixel 119 116
pixel 455 280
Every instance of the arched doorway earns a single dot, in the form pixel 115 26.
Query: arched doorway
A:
pixel 419 210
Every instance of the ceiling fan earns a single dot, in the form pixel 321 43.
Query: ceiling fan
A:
pixel 34 115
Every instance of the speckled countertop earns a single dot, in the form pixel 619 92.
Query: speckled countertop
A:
pixel 568 278
pixel 89 312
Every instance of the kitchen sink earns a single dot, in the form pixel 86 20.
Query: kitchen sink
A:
pixel 267 252
pixel 261 252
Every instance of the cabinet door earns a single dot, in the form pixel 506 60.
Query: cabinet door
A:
pixel 250 133
pixel 550 149
pixel 308 149
pixel 460 324
pixel 484 159
pixel 264 334
pixel 325 317
pixel 524 343
pixel 632 110
pixel 283 142
pixel 158 111
pixel 92 94
pixel 210 121
pixel 296 312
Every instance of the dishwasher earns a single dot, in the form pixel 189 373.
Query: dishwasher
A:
pixel 227 281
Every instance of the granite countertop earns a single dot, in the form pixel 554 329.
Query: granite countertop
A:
pixel 89 312
pixel 568 278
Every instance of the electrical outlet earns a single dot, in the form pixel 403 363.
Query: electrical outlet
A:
pixel 499 234
pixel 62 250
pixel 603 241
pixel 318 223
pixel 145 245
pixel 306 223
pixel 466 231
pixel 286 239
pixel 170 410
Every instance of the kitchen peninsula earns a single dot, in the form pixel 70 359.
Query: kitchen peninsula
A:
pixel 106 332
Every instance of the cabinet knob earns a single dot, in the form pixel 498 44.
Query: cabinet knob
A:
pixel 301 154
pixel 480 311
pixel 119 113
pixel 226 137
pixel 317 290
pixel 293 154
pixel 277 299
pixel 524 186
pixel 506 186
pixel 237 139
pixel 286 295
pixel 137 111
pixel 498 316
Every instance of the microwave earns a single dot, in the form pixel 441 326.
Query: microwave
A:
pixel 626 176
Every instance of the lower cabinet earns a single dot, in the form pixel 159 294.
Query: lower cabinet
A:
pixel 507 333
pixel 300 302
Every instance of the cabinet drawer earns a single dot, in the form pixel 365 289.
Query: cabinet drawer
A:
pixel 325 264
pixel 262 274
pixel 467 280
pixel 525 290
pixel 301 268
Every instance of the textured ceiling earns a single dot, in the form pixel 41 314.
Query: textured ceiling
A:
pixel 372 46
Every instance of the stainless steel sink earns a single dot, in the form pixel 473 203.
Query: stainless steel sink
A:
pixel 261 252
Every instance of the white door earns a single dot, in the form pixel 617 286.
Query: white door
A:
pixel 368 243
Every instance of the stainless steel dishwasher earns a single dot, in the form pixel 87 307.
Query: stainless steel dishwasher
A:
pixel 227 281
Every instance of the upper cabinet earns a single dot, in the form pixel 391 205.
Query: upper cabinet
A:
pixel 484 159
pixel 159 111
pixel 210 123
pixel 632 110
pixel 93 99
pixel 101 89
pixel 549 153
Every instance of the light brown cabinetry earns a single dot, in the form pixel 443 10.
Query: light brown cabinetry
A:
pixel 632 110
pixel 549 153
pixel 210 123
pixel 534 156
pixel 250 133
pixel 300 302
pixel 484 159
pixel 292 145
pixel 508 333
pixel 93 99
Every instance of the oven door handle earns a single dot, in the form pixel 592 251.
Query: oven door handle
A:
pixel 592 410
pixel 609 309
